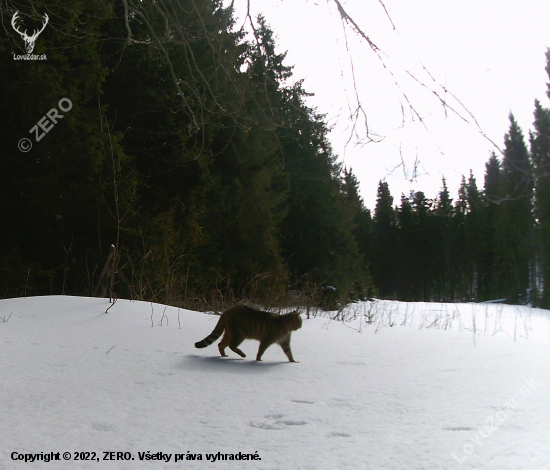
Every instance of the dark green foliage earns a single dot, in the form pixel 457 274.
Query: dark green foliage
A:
pixel 407 277
pixel 470 250
pixel 540 151
pixel 490 270
pixel 184 148
pixel 385 238
pixel 361 222
pixel 324 225
pixel 516 215
pixel 479 248
pixel 48 193
pixel 472 243
pixel 443 249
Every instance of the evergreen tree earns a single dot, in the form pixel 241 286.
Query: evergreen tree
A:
pixel 540 151
pixel 425 242
pixel 408 278
pixel 473 243
pixel 385 237
pixel 325 217
pixel 460 258
pixel 516 217
pixel 361 221
pixel 443 223
pixel 318 233
pixel 490 260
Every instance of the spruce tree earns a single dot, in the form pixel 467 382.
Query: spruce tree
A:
pixel 460 259
pixel 516 215
pixel 474 246
pixel 540 151
pixel 425 242
pixel 490 261
pixel 443 215
pixel 385 239
pixel 361 220
pixel 408 277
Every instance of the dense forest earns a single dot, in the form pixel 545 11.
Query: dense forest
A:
pixel 173 158
pixel 489 244
pixel 185 148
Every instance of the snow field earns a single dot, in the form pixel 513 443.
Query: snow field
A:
pixel 430 394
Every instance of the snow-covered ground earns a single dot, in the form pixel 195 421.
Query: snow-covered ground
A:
pixel 447 386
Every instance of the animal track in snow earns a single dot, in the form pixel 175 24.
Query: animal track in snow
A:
pixel 352 363
pixel 103 427
pixel 458 428
pixel 338 434
pixel 305 402
pixel 267 426
pixel 340 403
pixel 277 423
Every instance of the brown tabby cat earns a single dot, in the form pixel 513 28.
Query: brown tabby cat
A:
pixel 241 322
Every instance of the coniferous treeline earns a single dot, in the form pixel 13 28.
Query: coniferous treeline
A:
pixel 185 148
pixel 489 244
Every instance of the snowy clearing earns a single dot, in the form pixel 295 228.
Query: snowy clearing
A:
pixel 447 386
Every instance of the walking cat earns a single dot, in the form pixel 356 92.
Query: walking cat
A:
pixel 241 322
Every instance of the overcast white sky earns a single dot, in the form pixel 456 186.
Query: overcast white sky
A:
pixel 489 54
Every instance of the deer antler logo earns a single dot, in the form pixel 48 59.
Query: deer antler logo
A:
pixel 29 40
